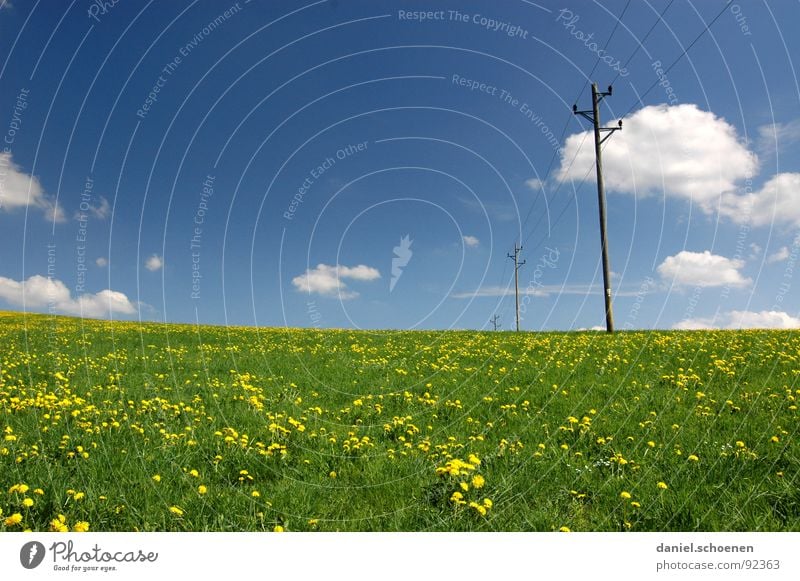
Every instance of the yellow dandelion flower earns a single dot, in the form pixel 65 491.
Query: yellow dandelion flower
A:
pixel 78 496
pixel 635 504
pixel 27 502
pixel 332 474
pixel 59 524
pixel 13 520
pixel 693 458
pixel 662 485
pixel 774 439
pixel 202 489
pixel 255 494
pixel 194 473
pixel 156 477
pixel 81 527
pixel 278 529
pixel 177 511
pixel 478 481
pixel 464 486
pixel 474 460
pixel 564 530
pixel 487 502
pixel 624 495
pixel 39 491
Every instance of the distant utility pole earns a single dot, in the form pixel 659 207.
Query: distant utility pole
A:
pixel 594 117
pixel 494 321
pixel 517 266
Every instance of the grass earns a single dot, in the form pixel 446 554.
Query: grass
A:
pixel 377 431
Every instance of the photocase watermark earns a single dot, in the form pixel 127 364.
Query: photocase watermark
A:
pixel 741 19
pixel 174 64
pixel 66 557
pixel 317 172
pixel 486 22
pixel 644 289
pixel 81 236
pixel 31 554
pixel 196 240
pixel 788 273
pixel 402 256
pixel 505 96
pixel 664 82
pixel 568 20
pixel 548 260
pixel 8 139
pixel 98 8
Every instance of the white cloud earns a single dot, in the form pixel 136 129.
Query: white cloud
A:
pixel 779 256
pixel 471 241
pixel 154 263
pixel 679 150
pixel 774 136
pixel 100 211
pixel 743 320
pixel 101 262
pixel 534 183
pixel 326 280
pixel 39 291
pixel 778 201
pixel 702 269
pixel 18 190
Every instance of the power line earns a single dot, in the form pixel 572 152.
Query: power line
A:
pixel 644 38
pixel 685 51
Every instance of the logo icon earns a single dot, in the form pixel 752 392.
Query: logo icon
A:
pixel 31 554
pixel 402 255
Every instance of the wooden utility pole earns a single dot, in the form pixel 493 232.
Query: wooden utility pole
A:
pixel 594 117
pixel 517 266
pixel 494 321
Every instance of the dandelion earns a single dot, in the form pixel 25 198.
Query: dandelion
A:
pixel 488 503
pixel 80 527
pixel 635 504
pixel 478 481
pixel 662 485
pixel 177 511
pixel 278 529
pixel 464 486
pixel 564 530
pixel 774 439
pixel 27 502
pixel 194 473
pixel 255 494
pixel 59 524
pixel 78 496
pixel 624 495
pixel 13 520
pixel 39 491
pixel 156 477
pixel 693 458
pixel 332 474
pixel 202 489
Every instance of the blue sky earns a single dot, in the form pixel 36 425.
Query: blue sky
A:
pixel 262 162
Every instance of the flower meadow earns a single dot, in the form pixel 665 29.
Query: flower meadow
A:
pixel 120 426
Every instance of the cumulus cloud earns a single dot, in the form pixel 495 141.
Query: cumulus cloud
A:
pixel 471 241
pixel 101 262
pixel 702 269
pixel 327 281
pixel 18 190
pixel 154 263
pixel 742 320
pixel 778 201
pixel 679 150
pixel 39 292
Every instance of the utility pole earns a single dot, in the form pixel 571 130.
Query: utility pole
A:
pixel 494 321
pixel 517 266
pixel 594 117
